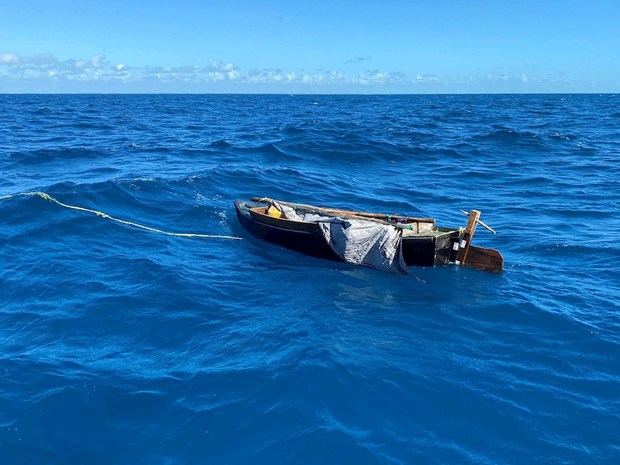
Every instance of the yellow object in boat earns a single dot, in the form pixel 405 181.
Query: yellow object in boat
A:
pixel 274 212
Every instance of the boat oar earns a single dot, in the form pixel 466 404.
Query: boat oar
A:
pixel 481 223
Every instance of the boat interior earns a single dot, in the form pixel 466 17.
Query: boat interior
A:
pixel 411 226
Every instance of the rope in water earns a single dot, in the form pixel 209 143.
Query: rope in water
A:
pixel 49 198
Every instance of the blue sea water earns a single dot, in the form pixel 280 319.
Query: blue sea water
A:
pixel 119 346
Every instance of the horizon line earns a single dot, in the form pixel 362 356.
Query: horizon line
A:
pixel 312 93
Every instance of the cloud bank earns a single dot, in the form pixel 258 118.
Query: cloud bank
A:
pixel 46 73
pixel 97 69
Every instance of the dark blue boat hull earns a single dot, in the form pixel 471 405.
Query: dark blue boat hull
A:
pixel 308 239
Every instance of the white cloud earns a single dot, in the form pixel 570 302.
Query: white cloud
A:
pixel 97 60
pixel 8 59
pixel 427 78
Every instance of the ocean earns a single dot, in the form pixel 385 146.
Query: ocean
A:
pixel 122 346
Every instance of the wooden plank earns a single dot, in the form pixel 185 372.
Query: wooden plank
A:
pixel 468 235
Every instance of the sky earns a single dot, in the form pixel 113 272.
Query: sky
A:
pixel 314 46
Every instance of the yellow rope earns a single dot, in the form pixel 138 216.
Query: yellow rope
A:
pixel 49 198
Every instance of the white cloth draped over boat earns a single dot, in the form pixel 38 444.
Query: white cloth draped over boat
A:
pixel 362 242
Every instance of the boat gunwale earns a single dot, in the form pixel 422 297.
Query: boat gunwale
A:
pixel 344 212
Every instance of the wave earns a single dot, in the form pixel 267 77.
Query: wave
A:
pixel 511 137
pixel 55 155
pixel 220 144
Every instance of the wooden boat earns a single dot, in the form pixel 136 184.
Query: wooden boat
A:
pixel 423 242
